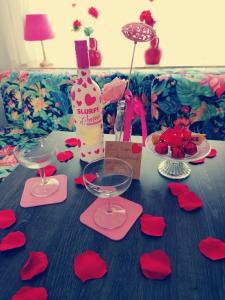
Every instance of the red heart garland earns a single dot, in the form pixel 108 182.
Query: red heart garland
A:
pixel 64 156
pixel 13 240
pixel 212 248
pixel 36 264
pixel 152 225
pixel 136 148
pixel 71 142
pixel 155 265
pixel 7 218
pixel 31 293
pixel 49 171
pixel 89 177
pixel 177 188
pixel 212 153
pixel 189 201
pixel 89 265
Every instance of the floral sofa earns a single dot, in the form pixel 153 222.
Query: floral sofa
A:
pixel 38 102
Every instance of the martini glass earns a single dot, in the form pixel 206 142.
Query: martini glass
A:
pixel 113 178
pixel 36 154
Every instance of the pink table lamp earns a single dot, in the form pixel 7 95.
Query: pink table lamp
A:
pixel 38 28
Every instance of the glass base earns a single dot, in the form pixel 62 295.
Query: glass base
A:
pixel 110 219
pixel 46 189
pixel 174 169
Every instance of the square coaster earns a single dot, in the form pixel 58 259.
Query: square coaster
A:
pixel 28 200
pixel 133 210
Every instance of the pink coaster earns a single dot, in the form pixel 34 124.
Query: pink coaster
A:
pixel 133 210
pixel 28 200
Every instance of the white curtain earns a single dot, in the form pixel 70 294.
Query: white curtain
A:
pixel 13 52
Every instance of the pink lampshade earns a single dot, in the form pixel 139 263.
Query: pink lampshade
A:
pixel 37 28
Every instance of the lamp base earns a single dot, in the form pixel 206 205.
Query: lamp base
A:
pixel 46 63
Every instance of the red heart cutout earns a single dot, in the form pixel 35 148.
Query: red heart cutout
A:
pixel 31 293
pixel 94 89
pixel 83 73
pixel 89 80
pixel 13 240
pixel 197 162
pixel 73 95
pixel 89 265
pixel 89 152
pixel 82 154
pixel 189 201
pixel 79 81
pixel 71 142
pixel 49 171
pixel 80 180
pixel 37 263
pixel 136 148
pixel 155 264
pixel 177 189
pixel 212 248
pixel 97 151
pixel 152 225
pixel 79 90
pixel 89 100
pixel 7 218
pixel 79 103
pixel 84 85
pixel 212 153
pixel 64 156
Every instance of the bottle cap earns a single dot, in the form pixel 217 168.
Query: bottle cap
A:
pixel 81 50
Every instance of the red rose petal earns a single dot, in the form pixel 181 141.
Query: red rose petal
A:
pixel 80 180
pixel 189 201
pixel 49 171
pixel 64 156
pixel 7 218
pixel 89 265
pixel 197 162
pixel 31 293
pixel 152 225
pixel 71 142
pixel 177 188
pixel 155 264
pixel 212 153
pixel 36 264
pixel 212 248
pixel 13 240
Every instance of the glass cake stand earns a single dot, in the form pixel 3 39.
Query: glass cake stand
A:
pixel 175 168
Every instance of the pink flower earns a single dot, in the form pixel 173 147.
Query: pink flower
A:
pixel 76 25
pixel 114 90
pixel 6 150
pixel 23 76
pixel 147 18
pixel 93 12
pixel 185 109
pixel 4 75
pixel 8 161
pixel 216 83
pixel 57 104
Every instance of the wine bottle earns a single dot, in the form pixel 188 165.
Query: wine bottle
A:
pixel 87 108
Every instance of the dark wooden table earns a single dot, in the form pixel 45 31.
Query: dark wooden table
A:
pixel 56 230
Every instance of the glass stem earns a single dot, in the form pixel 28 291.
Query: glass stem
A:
pixel 109 206
pixel 43 177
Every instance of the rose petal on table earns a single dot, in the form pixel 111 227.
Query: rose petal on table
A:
pixel 7 218
pixel 80 180
pixel 212 248
pixel 49 171
pixel 152 225
pixel 71 142
pixel 197 162
pixel 31 293
pixel 36 264
pixel 212 153
pixel 64 156
pixel 189 201
pixel 13 240
pixel 155 265
pixel 177 188
pixel 89 265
